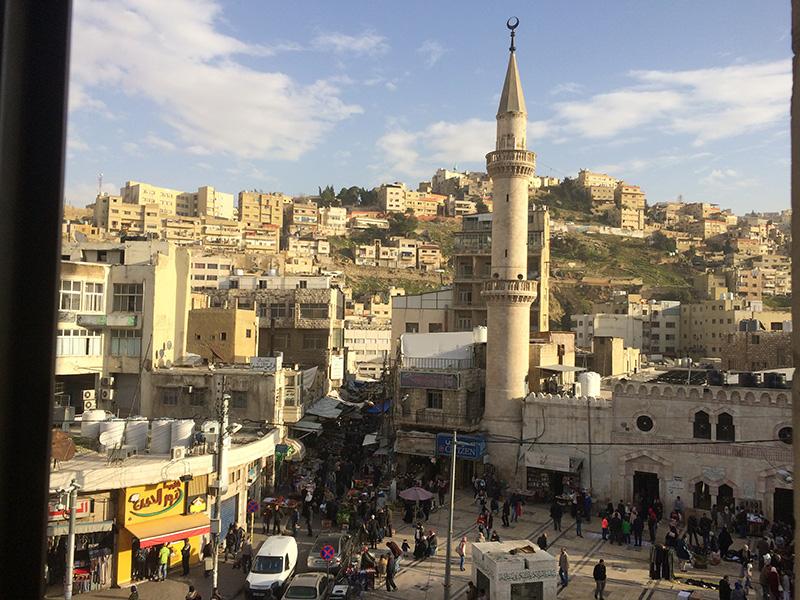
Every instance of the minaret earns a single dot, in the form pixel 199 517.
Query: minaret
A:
pixel 508 294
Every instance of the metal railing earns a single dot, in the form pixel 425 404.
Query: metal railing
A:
pixel 437 364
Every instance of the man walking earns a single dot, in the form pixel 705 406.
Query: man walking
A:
pixel 599 575
pixel 163 561
pixel 461 550
pixel 563 567
pixel 555 513
pixel 390 568
pixel 506 512
pixel 186 553
pixel 578 519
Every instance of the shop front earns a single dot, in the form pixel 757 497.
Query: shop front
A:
pixel 152 516
pixel 552 475
pixel 94 543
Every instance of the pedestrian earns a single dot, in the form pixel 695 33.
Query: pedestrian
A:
pixel 604 528
pixel 208 562
pixel 542 541
pixel 678 507
pixel 738 592
pixel 163 561
pixel 587 507
pixel 481 521
pixel 652 524
pixel 193 594
pixel 472 591
pixel 626 530
pixel 692 530
pixel 506 512
pixel 461 550
pixel 714 516
pixel 240 535
pixel 724 589
pixel 276 520
pixel 186 553
pixel 563 567
pixel 578 519
pixel 307 517
pixel 494 505
pixel 134 595
pixel 786 585
pixel 390 566
pixel 599 575
pixel 495 537
pixel 405 547
pixel 638 527
pixel 442 489
pixel 266 517
pixel 247 556
pixel 294 521
pixel 556 513
pixel 230 543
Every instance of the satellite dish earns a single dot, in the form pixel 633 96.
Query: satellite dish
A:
pixel 80 236
pixel 161 353
pixel 62 447
pixel 169 344
pixel 168 364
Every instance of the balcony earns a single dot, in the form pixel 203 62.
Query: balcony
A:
pixel 437 364
pixel 438 418
pixel 119 320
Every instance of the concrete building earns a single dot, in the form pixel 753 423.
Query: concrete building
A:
pixel 333 220
pixel 397 253
pixel 628 328
pixel 122 311
pixel 262 237
pixel 508 292
pixel 369 346
pixel 757 350
pixel 368 222
pixel 425 205
pixel 458 208
pixel 392 197
pixel 472 252
pixel 224 335
pixel 439 388
pixel 590 179
pixel 611 358
pixel 664 415
pixel 630 202
pixel 429 257
pixel 207 270
pixel 705 326
pixel 707 228
pixel 661 321
pixel 428 312
pixel 551 364
pixel 300 316
pixel 256 208
pixel 301 217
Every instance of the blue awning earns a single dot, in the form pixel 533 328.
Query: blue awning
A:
pixel 380 408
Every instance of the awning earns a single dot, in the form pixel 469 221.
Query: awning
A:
pixel 562 368
pixel 62 527
pixel 169 529
pixel 307 425
pixel 327 408
pixel 369 439
pixel 553 462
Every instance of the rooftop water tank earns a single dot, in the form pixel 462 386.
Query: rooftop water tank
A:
pixel 160 436
pixel 136 433
pixel 111 433
pixel 590 384
pixel 480 334
pixel 182 431
pixel 90 423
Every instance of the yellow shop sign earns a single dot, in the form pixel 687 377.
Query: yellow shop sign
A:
pixel 154 501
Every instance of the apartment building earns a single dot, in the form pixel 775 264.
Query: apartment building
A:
pixel 748 283
pixel 472 255
pixel 700 210
pixel 397 253
pixel 220 234
pixel 705 326
pixel 630 202
pixel 333 220
pixel 707 227
pixel 458 208
pixel 207 270
pixel 425 205
pixel 302 217
pixel 206 201
pixel 392 197
pixel 308 246
pixel 262 237
pixel 629 328
pixel 429 312
pixel 122 311
pixel 600 195
pixel 300 316
pixel 182 231
pixel 661 321
pixel 256 208
pixel 363 221
pixel 543 181
pixel 448 183
pixel 369 346
pixel 589 179
pixel 757 350
pixel 429 257
pixel 223 335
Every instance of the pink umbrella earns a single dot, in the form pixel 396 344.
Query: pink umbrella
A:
pixel 416 494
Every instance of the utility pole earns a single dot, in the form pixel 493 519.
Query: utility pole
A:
pixel 589 427
pixel 221 483
pixel 72 506
pixel 453 449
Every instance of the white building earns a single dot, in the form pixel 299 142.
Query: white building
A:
pixel 369 347
pixel 627 327
pixel 515 569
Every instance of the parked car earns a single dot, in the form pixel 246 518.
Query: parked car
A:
pixel 343 547
pixel 308 586
pixel 273 566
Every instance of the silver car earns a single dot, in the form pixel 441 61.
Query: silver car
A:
pixel 342 546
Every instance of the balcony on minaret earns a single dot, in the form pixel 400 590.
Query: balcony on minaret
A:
pixel 521 290
pixel 521 163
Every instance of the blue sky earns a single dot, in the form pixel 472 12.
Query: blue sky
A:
pixel 680 97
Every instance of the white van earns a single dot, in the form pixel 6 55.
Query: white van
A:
pixel 273 566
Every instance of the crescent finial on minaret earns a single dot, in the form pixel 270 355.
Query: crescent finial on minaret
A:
pixel 512 24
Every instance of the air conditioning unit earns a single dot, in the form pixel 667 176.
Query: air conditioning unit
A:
pixel 89 405
pixel 106 394
pixel 106 382
pixel 177 453
pixel 88 395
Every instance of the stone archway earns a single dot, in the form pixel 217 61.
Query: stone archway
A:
pixel 643 462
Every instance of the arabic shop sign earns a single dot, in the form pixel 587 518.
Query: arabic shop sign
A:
pixel 154 501
pixel 527 575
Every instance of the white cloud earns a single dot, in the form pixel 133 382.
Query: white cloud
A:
pixel 706 104
pixel 727 179
pixel 172 54
pixel 432 52
pixel 417 153
pixel 132 148
pixel 83 193
pixel 75 143
pixel 151 139
pixel 568 87
pixel 367 42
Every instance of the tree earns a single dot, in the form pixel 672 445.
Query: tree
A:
pixel 481 207
pixel 662 242
pixel 402 224
pixel 350 196
pixel 327 197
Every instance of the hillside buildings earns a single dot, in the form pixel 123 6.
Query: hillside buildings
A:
pixel 630 202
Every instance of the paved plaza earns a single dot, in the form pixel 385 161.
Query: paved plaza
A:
pixel 423 579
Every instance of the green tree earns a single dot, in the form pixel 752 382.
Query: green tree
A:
pixel 403 224
pixel 327 197
pixel 350 196
pixel 481 207
pixel 662 242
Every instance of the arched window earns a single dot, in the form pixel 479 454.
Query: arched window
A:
pixel 702 496
pixel 725 429
pixel 702 425
pixel 725 497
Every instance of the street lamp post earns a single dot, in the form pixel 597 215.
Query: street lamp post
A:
pixel 447 566
pixel 71 506
pixel 220 487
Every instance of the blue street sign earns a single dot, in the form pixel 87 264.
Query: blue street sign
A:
pixel 470 447
pixel 252 506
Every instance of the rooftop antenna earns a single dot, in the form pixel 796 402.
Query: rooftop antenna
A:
pixel 512 24
pixel 99 184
